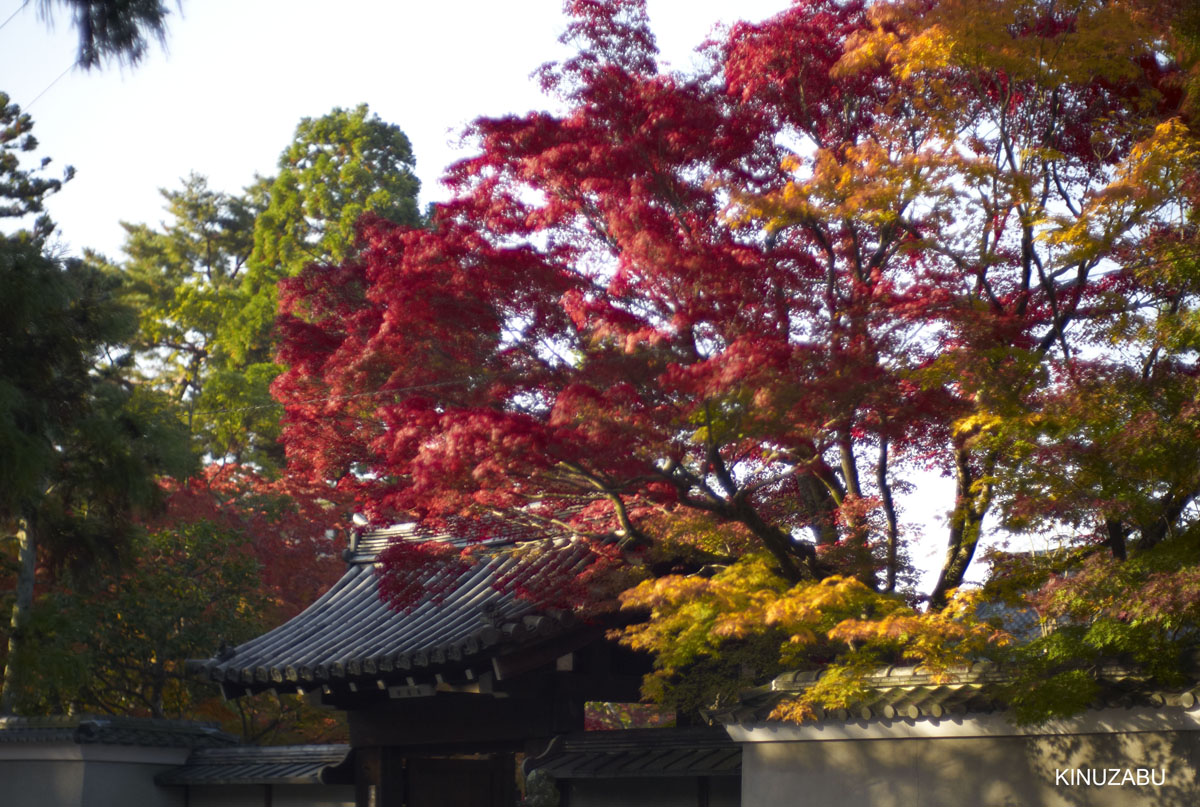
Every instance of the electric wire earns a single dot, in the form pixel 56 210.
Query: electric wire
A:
pixel 45 90
pixel 70 67
pixel 13 16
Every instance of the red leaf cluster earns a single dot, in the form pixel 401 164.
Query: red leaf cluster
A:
pixel 295 530
pixel 755 294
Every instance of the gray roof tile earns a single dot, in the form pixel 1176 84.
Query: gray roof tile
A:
pixel 350 635
pixel 640 753
pixel 248 765
pixel 136 731
pixel 913 692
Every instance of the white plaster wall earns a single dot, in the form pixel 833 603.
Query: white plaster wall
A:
pixel 46 783
pixel 126 784
pixel 983 771
pixel 660 792
pixel 70 775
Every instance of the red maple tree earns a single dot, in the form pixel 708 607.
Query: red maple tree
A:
pixel 701 316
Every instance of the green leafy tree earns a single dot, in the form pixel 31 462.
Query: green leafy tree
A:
pixel 22 191
pixel 184 278
pixel 205 281
pixel 338 168
pixel 116 645
pixel 82 447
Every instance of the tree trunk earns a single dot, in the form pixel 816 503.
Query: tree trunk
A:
pixel 1117 533
pixel 26 557
pixel 973 497
pixel 893 523
pixel 820 507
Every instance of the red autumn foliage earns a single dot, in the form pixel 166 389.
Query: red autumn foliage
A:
pixel 758 295
pixel 295 531
pixel 415 572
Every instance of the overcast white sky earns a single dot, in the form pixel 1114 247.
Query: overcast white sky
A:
pixel 224 98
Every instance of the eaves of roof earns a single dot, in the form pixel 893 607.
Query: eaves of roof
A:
pixel 131 731
pixel 913 693
pixel 640 753
pixel 273 765
pixel 349 638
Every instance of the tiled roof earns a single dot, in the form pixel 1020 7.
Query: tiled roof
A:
pixel 249 765
pixel 640 753
pixel 85 729
pixel 350 638
pixel 912 693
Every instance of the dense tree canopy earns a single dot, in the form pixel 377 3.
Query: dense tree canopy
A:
pixel 218 566
pixel 203 287
pixel 720 321
pixel 204 281
pixel 116 378
pixel 82 448
pixel 114 642
pixel 107 370
pixel 338 168
pixel 184 278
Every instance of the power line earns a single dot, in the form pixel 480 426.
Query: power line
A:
pixel 9 19
pixel 12 16
pixel 51 84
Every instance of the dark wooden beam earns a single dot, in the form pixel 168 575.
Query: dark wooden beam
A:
pixel 463 723
pixel 544 655
pixel 378 777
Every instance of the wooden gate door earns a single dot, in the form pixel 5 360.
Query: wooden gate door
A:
pixel 461 782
